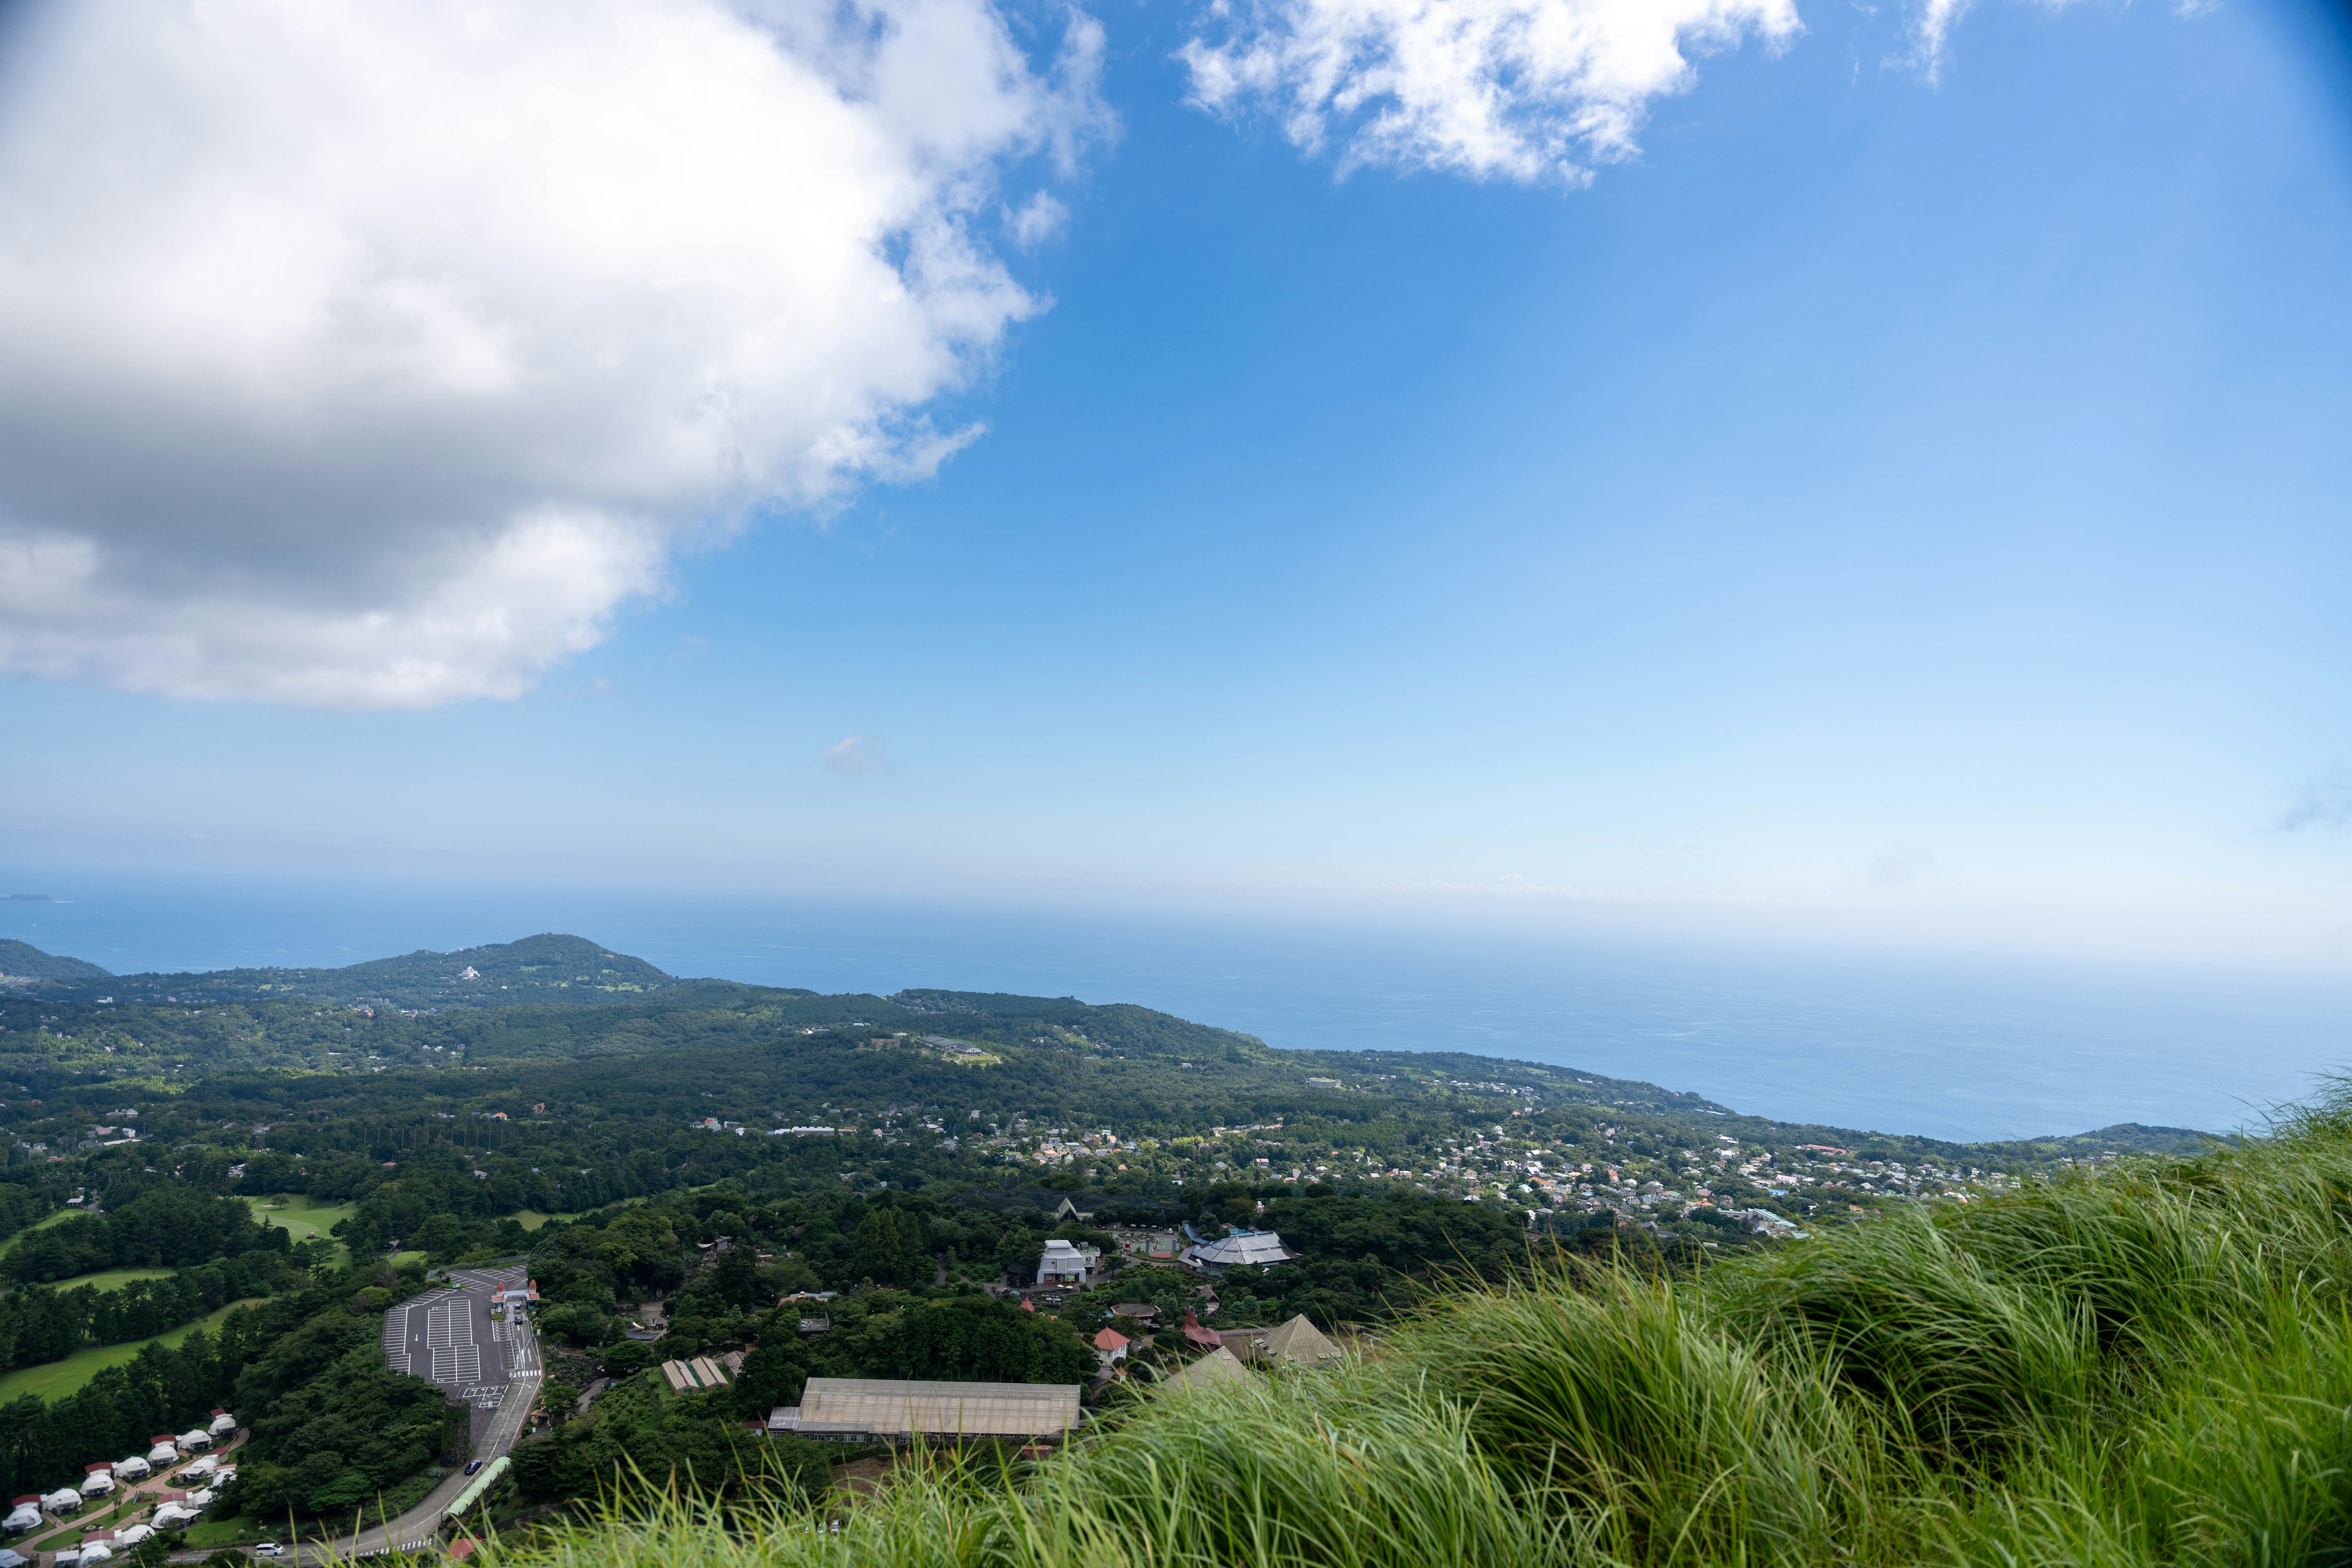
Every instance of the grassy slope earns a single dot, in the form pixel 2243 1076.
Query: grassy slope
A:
pixel 112 1279
pixel 56 1379
pixel 2151 1365
pixel 58 1219
pixel 298 1216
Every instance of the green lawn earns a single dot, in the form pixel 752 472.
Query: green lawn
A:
pixel 112 1279
pixel 207 1535
pixel 58 1219
pixel 55 1379
pixel 299 1214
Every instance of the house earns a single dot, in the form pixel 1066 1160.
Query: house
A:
pixel 195 1439
pixel 25 1513
pixel 871 1409
pixel 1220 1368
pixel 1141 1311
pixel 1062 1261
pixel 164 1452
pixel 1259 1249
pixel 65 1499
pixel 223 1424
pixel 97 1483
pixel 815 1325
pixel 1111 1345
pixel 133 1469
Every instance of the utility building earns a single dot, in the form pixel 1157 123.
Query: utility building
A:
pixel 873 1409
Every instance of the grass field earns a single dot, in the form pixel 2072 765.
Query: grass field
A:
pixel 2147 1366
pixel 112 1279
pixel 58 1219
pixel 301 1218
pixel 55 1379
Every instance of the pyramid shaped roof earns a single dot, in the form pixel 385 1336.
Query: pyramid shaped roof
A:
pixel 1218 1368
pixel 1301 1343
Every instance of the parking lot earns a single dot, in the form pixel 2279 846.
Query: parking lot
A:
pixel 449 1337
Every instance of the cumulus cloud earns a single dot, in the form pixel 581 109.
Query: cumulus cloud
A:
pixel 371 355
pixel 1520 89
pixel 856 755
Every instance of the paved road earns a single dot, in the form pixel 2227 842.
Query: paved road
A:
pixel 488 1363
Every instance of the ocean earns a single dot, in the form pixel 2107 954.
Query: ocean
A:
pixel 1951 1047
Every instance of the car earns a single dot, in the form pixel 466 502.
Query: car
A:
pixel 268 1549
pixel 472 1466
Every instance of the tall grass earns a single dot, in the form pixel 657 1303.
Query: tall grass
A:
pixel 2147 1367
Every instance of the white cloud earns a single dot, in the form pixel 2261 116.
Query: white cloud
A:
pixel 856 755
pixel 1038 219
pixel 1523 89
pixel 377 355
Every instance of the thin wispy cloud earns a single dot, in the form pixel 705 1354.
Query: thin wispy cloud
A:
pixel 2325 802
pixel 856 755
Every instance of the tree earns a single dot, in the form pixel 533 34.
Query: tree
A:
pixel 889 1249
pixel 735 1279
pixel 626 1359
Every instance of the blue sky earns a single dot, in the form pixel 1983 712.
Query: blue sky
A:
pixel 1886 502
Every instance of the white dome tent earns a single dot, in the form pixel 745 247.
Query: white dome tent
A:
pixel 27 1516
pixel 169 1514
pixel 95 1552
pixel 65 1499
pixel 131 1469
pixel 196 1439
pixel 196 1469
pixel 164 1452
pixel 97 1483
pixel 223 1424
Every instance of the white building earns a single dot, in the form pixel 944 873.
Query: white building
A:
pixel 97 1483
pixel 164 1452
pixel 195 1439
pixel 199 1469
pixel 223 1424
pixel 168 1514
pixel 28 1515
pixel 1064 1260
pixel 95 1552
pixel 1244 1250
pixel 65 1499
pixel 133 1469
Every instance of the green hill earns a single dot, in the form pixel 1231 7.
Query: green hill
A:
pixel 548 968
pixel 20 960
